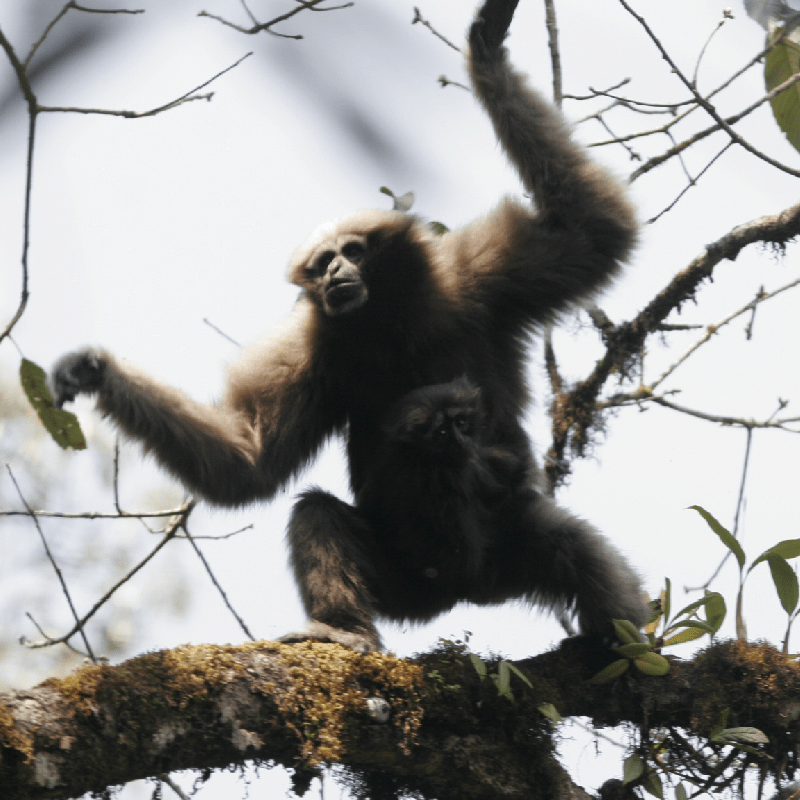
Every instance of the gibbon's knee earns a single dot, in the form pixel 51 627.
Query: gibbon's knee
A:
pixel 333 568
pixel 578 568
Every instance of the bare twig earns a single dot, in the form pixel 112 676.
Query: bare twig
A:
pixel 702 101
pixel 178 522
pixel 712 330
pixel 185 98
pixel 216 583
pixel 257 27
pixel 555 52
pixel 51 558
pixel 30 99
pixel 692 182
pixel 71 5
pixel 419 18
pixel 679 148
pixel 726 15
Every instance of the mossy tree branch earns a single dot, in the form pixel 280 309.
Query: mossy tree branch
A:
pixel 449 735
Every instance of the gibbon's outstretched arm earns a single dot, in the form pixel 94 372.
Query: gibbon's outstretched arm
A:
pixel 269 424
pixel 582 225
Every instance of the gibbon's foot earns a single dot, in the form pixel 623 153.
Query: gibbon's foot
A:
pixel 80 371
pixel 320 632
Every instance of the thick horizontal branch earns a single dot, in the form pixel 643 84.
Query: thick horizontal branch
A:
pixel 448 733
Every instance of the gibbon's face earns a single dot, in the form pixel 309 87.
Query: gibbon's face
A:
pixel 333 274
pixel 444 432
pixel 332 265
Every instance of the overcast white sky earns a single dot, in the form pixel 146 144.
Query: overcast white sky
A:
pixel 143 228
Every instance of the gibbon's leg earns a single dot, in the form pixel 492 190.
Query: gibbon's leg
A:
pixel 333 569
pixel 560 561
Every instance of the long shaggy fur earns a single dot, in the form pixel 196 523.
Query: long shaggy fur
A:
pixel 388 307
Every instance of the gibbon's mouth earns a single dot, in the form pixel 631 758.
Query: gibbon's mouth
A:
pixel 344 294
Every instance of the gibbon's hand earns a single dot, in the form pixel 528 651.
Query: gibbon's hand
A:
pixel 81 371
pixel 490 27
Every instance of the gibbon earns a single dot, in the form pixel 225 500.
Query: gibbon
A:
pixel 388 307
pixel 443 518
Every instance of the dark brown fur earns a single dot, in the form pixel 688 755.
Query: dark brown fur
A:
pixel 388 307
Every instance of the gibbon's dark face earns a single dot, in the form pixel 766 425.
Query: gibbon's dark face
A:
pixel 334 275
pixel 450 432
pixel 443 420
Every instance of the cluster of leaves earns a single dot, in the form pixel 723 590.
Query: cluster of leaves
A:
pixel 783 576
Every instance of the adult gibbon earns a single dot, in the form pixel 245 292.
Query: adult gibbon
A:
pixel 387 307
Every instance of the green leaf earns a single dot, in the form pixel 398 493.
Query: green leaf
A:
pixel 653 785
pixel 62 425
pixel 743 736
pixel 550 711
pixel 680 792
pixel 479 664
pixel 626 632
pixel 687 635
pixel 782 62
pixel 667 598
pixel 785 580
pixel 715 610
pixel 504 681
pixel 788 548
pixel 632 768
pixel 402 203
pixel 724 534
pixel 521 675
pixel 632 650
pixel 613 670
pixel 652 664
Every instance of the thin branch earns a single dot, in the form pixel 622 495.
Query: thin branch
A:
pixel 692 183
pixel 216 583
pixel 170 533
pixel 52 560
pixel 736 422
pixel 419 18
pixel 171 512
pixel 185 98
pixel 726 15
pixel 257 27
pixel 30 99
pixel 712 330
pixel 58 17
pixel 555 52
pixel 702 101
pixel 679 148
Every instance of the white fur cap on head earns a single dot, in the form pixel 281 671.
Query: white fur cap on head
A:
pixel 359 222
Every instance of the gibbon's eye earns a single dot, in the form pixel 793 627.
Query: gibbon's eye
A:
pixel 354 252
pixel 461 423
pixel 319 266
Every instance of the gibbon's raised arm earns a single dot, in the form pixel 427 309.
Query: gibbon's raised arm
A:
pixel 270 423
pixel 582 225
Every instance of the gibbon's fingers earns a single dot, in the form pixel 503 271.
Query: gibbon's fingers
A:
pixel 76 372
pixel 491 25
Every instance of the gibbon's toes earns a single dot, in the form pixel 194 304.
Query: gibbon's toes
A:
pixel 319 632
